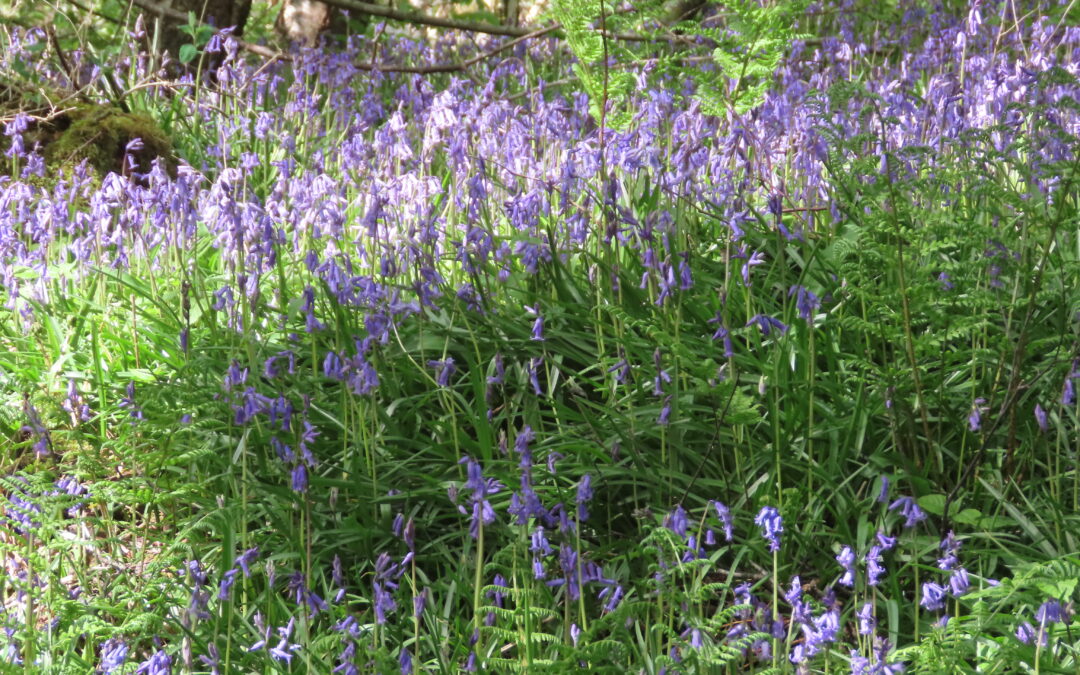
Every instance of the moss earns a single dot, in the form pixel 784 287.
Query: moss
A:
pixel 99 134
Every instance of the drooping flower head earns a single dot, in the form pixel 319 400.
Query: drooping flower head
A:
pixel 846 558
pixel 913 515
pixel 772 525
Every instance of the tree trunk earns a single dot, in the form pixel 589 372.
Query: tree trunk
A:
pixel 220 13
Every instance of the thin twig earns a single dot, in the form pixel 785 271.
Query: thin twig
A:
pixel 89 10
pixel 437 22
pixel 274 54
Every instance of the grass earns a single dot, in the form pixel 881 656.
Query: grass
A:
pixel 390 377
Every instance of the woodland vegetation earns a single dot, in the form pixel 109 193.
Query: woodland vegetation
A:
pixel 620 337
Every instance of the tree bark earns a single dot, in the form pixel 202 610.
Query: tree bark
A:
pixel 220 13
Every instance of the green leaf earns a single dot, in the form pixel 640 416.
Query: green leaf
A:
pixel 1062 588
pixel 934 504
pixel 188 53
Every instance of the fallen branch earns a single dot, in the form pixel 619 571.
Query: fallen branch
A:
pixel 455 67
pixel 260 50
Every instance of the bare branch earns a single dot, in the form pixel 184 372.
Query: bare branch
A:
pixel 520 35
pixel 456 24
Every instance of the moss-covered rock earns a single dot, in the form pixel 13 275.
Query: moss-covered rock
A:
pixel 100 134
pixel 97 133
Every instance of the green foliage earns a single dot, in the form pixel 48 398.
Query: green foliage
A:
pixel 881 378
pixel 747 40
pixel 751 41
pixel 982 636
pixel 593 49
pixel 200 34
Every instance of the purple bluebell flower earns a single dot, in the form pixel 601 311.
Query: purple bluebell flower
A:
pixel 621 370
pixel 1051 611
pixel 226 584
pixel 755 259
pixel 767 324
pixel 846 558
pixel 198 576
pixel 613 599
pixel 584 495
pixel 284 650
pixel 113 654
pixel 950 547
pixel 677 521
pixel 933 596
pixel 867 622
pixel 302 595
pixel 334 366
pixel 538 324
pixel 539 543
pixel 223 298
pixel 533 372
pixel 538 568
pixel 526 503
pixel 883 491
pixel 874 569
pixel 805 302
pixel 761 650
pixel 771 524
pixel 794 591
pixel 724 515
pixel 235 376
pixel 686 279
pixel 311 323
pixel 159 663
pixel 1027 634
pixel 497 597
pixel 420 603
pixel 405 661
pixel 881 654
pixel 383 601
pixel 245 559
pixel 722 334
pixel 695 638
pixel 481 488
pixel 959 583
pixel 280 411
pixel 212 659
pixel 443 370
pixel 860 665
pixel 521 446
pixel 1040 418
pixel 662 377
pixel 913 515
pixel 134 409
pixel 975 416
pixel 665 413
pixel 75 404
pixel 69 485
pixel 337 577
pixel 299 481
